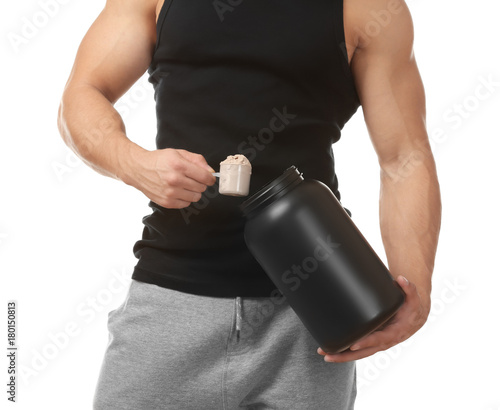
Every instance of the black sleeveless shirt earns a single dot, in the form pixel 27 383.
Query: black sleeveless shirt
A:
pixel 265 78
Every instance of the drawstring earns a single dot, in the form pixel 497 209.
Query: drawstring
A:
pixel 238 317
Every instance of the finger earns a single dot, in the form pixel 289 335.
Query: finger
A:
pixel 391 325
pixel 171 203
pixel 190 184
pixel 408 287
pixel 179 204
pixel 413 303
pixel 196 159
pixel 349 356
pixel 186 195
pixel 392 331
pixel 378 338
pixel 176 179
pixel 198 174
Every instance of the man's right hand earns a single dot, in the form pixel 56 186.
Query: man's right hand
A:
pixel 172 178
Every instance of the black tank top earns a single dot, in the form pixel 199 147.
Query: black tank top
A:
pixel 265 78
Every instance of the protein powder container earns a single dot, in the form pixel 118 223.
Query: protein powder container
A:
pixel 308 245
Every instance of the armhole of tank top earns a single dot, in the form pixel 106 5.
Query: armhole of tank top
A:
pixel 159 24
pixel 340 45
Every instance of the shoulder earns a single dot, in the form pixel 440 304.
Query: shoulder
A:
pixel 141 6
pixel 369 23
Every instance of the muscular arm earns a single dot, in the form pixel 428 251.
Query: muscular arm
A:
pixel 393 101
pixel 114 53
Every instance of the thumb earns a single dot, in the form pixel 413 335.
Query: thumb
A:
pixel 197 159
pixel 408 287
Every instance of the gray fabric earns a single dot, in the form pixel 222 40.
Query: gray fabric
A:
pixel 173 350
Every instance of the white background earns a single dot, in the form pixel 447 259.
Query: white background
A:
pixel 66 232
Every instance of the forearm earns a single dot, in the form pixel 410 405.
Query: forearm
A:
pixel 94 130
pixel 410 218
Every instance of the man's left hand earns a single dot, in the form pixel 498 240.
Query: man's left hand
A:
pixel 409 318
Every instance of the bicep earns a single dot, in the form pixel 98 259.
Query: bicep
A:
pixel 391 90
pixel 117 48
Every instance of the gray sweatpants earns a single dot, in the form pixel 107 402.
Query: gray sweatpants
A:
pixel 174 350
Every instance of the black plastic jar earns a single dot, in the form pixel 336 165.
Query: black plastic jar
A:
pixel 313 252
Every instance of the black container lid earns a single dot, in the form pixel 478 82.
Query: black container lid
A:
pixel 272 191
